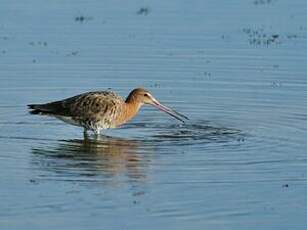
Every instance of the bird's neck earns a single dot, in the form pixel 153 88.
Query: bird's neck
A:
pixel 129 110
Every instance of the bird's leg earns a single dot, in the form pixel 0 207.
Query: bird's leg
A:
pixel 85 134
pixel 97 132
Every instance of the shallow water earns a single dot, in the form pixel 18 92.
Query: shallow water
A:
pixel 236 68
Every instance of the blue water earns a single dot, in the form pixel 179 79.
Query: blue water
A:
pixel 236 68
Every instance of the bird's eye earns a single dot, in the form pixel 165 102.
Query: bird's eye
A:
pixel 146 95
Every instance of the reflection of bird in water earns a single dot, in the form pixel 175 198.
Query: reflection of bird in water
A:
pixel 102 109
pixel 106 157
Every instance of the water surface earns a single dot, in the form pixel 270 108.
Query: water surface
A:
pixel 236 68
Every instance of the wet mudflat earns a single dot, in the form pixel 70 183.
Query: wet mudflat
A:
pixel 236 68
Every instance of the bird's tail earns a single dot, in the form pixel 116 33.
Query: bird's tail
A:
pixel 52 108
pixel 38 109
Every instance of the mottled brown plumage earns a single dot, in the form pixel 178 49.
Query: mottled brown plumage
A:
pixel 101 109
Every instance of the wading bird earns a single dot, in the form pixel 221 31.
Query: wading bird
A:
pixel 100 110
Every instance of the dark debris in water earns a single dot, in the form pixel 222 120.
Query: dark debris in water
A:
pixel 264 37
pixel 263 2
pixel 275 66
pixel 82 18
pixel 203 75
pixel 260 37
pixel 292 36
pixel 33 181
pixel 302 28
pixel 276 84
pixel 38 43
pixel 73 53
pixel 143 11
pixel 4 38
pixel 155 85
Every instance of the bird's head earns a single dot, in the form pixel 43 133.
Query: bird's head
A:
pixel 143 96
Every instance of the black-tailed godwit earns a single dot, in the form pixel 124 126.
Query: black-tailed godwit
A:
pixel 100 110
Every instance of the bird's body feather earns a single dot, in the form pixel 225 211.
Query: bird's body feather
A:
pixel 92 110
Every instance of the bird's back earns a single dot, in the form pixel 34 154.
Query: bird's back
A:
pixel 88 109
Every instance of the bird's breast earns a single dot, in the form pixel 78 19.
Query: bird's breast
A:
pixel 127 112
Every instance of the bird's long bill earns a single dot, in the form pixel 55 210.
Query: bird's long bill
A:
pixel 170 111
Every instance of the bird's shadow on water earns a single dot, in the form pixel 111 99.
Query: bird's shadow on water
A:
pixel 105 158
pixel 93 159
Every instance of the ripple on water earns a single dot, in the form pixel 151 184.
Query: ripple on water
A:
pixel 191 133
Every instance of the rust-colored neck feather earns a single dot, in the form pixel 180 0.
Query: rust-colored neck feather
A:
pixel 129 109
